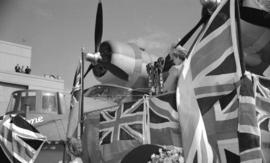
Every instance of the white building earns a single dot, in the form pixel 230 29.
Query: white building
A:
pixel 12 54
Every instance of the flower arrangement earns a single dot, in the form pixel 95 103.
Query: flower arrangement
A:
pixel 168 154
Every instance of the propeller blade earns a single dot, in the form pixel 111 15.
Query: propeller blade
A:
pixel 116 71
pixel 99 26
pixel 88 70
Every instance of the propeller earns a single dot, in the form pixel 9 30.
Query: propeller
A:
pixel 97 58
pixel 115 70
pixel 98 33
pixel 99 26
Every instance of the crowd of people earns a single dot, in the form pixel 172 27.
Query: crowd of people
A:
pixel 21 69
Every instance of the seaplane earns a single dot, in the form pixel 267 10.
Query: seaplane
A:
pixel 121 68
pixel 124 73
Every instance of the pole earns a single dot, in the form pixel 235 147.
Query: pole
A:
pixel 81 93
pixel 239 40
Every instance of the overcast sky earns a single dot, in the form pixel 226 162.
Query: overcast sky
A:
pixel 57 29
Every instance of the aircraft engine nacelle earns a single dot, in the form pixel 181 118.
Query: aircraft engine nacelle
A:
pixel 128 57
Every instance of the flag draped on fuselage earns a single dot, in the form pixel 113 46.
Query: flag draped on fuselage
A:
pixel 19 140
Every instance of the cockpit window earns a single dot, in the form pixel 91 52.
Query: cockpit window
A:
pixel 28 103
pixel 49 103
pixel 11 104
pixel 22 102
pixel 34 102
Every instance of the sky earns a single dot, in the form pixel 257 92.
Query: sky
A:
pixel 58 29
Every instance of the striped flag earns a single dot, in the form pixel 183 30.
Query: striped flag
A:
pixel 262 95
pixel 212 71
pixel 249 133
pixel 19 140
pixel 74 102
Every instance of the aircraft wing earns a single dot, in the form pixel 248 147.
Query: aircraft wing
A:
pixel 114 93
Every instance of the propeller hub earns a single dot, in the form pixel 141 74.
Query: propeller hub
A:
pixel 93 57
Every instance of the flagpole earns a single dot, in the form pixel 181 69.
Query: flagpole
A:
pixel 82 90
pixel 239 40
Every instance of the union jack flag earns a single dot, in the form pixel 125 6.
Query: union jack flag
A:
pixel 150 120
pixel 124 122
pixel 19 140
pixel 77 83
pixel 221 123
pixel 212 71
pixel 74 102
pixel 164 127
pixel 121 128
